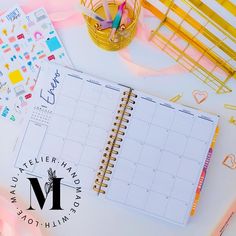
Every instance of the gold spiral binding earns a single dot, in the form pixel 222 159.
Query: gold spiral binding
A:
pixel 113 144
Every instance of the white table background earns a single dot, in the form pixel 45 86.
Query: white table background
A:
pixel 96 217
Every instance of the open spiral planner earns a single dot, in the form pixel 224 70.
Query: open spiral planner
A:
pixel 131 148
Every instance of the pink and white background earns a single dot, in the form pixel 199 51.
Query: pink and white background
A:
pixel 148 69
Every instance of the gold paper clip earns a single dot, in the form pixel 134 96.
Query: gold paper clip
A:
pixel 229 106
pixel 230 161
pixel 232 120
pixel 176 98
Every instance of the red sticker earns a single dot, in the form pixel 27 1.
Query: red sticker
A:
pixel 52 57
pixel 7 50
pixel 42 56
pixel 12 39
pixel 20 36
pixel 28 96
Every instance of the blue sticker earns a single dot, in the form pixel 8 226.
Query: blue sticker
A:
pixel 5 112
pixel 53 44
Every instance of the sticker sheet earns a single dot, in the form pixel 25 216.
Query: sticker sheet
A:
pixel 25 41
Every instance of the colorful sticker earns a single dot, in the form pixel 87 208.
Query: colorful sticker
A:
pixel 25 41
pixel 15 77
pixel 53 44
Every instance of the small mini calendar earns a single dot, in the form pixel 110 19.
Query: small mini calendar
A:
pixel 42 115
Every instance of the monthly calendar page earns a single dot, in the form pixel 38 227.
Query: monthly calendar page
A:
pixel 162 153
pixel 71 120
pixel 161 158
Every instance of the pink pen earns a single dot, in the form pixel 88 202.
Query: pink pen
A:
pixel 116 21
pixel 125 19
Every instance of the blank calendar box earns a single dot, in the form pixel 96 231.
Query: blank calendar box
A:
pixel 169 163
pixel 150 156
pixel 103 118
pixel 176 142
pixel 65 106
pixel 131 150
pixel 91 157
pixel 78 131
pixel 163 183
pixel 109 99
pixel 72 151
pixel 183 190
pixel 49 144
pixel 189 170
pixel 176 211
pixel 138 130
pixel 148 115
pixel 61 130
pixel 124 170
pixel 156 136
pixel 72 87
pixel 137 197
pixel 195 149
pixel 91 93
pixel 84 112
pixel 118 190
pixel 143 176
pixel 96 137
pixel 156 203
pixel 202 129
pixel 164 116
pixel 183 123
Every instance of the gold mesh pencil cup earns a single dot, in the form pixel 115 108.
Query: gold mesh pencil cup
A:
pixel 101 37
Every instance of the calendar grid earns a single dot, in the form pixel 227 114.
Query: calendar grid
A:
pixel 129 185
pixel 159 162
pixel 68 114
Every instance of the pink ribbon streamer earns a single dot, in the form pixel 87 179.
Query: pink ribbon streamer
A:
pixel 143 33
pixel 10 224
pixel 149 72
pixel 63 14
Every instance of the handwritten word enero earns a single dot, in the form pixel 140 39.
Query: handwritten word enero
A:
pixel 49 96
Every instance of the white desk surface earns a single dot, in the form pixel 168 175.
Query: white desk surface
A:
pixel 98 218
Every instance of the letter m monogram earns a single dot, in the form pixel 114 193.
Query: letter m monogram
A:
pixel 53 186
